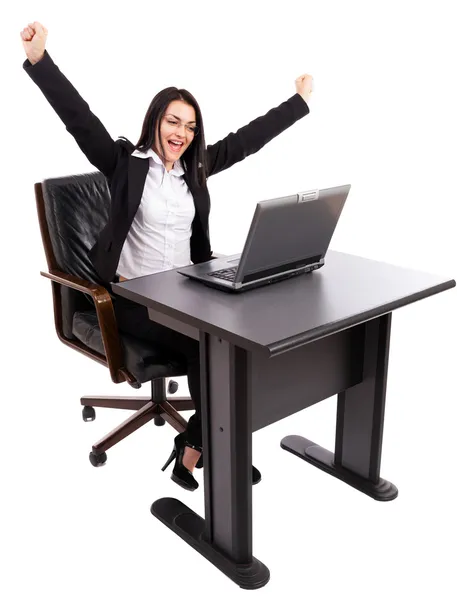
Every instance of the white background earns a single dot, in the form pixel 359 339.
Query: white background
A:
pixel 383 119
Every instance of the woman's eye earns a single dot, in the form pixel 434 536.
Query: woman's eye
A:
pixel 173 122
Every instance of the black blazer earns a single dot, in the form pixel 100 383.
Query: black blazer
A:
pixel 126 174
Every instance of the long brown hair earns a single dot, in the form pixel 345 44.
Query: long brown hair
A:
pixel 195 154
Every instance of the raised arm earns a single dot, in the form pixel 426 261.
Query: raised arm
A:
pixel 87 130
pixel 252 137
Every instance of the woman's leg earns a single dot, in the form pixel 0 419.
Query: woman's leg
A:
pixel 133 318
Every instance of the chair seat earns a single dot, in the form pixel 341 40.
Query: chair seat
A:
pixel 142 359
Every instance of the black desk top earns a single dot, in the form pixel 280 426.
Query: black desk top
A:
pixel 346 291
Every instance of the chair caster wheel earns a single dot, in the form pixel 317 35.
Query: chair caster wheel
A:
pixel 97 460
pixel 88 413
pixel 159 421
pixel 172 386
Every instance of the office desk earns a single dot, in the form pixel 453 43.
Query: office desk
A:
pixel 268 353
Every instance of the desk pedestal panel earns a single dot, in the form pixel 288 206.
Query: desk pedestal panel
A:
pixel 289 382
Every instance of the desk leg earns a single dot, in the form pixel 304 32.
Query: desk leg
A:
pixel 360 420
pixel 224 537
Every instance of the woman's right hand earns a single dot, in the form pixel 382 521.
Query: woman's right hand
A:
pixel 34 41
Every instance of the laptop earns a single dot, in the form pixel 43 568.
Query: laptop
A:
pixel 288 236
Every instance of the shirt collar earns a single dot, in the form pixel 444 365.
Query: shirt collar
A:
pixel 177 166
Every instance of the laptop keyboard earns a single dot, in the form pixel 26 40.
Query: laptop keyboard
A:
pixel 227 274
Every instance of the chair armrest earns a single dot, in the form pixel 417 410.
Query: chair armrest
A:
pixel 106 320
pixel 82 285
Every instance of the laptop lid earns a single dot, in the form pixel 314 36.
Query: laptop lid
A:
pixel 291 232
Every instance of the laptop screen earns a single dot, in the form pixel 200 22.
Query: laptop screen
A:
pixel 287 234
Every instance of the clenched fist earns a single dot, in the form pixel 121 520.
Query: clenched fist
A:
pixel 34 41
pixel 304 86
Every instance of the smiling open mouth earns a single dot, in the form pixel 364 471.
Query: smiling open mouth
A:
pixel 175 147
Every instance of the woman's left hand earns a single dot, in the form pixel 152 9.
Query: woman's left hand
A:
pixel 304 86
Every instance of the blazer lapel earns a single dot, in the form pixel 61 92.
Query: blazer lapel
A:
pixel 138 169
pixel 201 200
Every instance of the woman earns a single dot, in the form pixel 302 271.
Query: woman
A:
pixel 159 201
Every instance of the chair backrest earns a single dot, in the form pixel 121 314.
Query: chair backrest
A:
pixel 76 210
pixel 72 211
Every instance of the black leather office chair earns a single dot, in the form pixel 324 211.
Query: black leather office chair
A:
pixel 71 211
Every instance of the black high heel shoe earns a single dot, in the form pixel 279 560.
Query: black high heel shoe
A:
pixel 256 476
pixel 180 474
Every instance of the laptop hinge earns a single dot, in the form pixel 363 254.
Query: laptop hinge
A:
pixel 296 264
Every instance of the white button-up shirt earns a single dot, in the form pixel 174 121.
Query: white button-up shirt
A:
pixel 159 237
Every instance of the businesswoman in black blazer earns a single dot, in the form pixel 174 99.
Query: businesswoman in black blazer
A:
pixel 159 201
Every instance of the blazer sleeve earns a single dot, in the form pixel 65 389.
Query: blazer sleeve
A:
pixel 87 130
pixel 252 137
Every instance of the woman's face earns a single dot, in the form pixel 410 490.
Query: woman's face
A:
pixel 177 124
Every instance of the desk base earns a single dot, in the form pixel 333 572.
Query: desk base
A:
pixel 324 459
pixel 190 527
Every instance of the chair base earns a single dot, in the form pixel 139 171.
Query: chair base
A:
pixel 133 402
pixel 158 407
